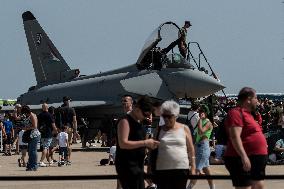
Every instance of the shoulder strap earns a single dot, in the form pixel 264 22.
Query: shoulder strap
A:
pixel 158 132
pixel 191 116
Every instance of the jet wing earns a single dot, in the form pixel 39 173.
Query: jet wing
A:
pixel 73 104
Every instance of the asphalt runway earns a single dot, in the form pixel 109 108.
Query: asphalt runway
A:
pixel 87 163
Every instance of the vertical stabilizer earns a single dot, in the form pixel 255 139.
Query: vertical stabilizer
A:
pixel 49 66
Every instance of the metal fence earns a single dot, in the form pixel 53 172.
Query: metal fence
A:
pixel 113 177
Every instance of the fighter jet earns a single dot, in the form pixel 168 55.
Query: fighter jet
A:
pixel 160 72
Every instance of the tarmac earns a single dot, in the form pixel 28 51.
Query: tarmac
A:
pixel 87 162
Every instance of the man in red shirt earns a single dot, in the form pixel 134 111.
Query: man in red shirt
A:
pixel 246 153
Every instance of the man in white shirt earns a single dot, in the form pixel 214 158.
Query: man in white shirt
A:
pixel 192 118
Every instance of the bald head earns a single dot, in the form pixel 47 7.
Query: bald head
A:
pixel 44 107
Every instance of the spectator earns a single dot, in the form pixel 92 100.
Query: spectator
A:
pixel 54 144
pixel 112 152
pixel 69 119
pixel 31 127
pixel 46 125
pixel 175 151
pixel 130 152
pixel 17 119
pixel 193 118
pixel 23 147
pixel 203 133
pixel 246 152
pixel 127 103
pixel 9 135
pixel 279 149
pixel 62 138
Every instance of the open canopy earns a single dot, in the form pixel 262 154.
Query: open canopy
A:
pixel 158 50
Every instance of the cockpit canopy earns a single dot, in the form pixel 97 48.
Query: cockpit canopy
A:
pixel 159 49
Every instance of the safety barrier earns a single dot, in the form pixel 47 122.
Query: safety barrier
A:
pixel 112 177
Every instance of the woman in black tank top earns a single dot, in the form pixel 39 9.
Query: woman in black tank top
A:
pixel 130 152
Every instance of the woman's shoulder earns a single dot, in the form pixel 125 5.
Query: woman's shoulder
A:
pixel 181 125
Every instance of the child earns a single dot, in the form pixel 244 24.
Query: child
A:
pixel 112 152
pixel 23 148
pixel 62 138
pixel 9 131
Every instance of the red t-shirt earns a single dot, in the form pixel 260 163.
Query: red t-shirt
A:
pixel 253 140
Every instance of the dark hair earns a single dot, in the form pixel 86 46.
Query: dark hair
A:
pixel 51 110
pixel 64 128
pixel 194 106
pixel 157 103
pixel 245 93
pixel 145 104
pixel 204 109
pixel 26 109
pixel 66 98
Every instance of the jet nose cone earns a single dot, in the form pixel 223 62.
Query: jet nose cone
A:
pixel 192 83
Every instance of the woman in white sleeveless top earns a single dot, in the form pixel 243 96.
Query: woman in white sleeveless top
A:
pixel 175 158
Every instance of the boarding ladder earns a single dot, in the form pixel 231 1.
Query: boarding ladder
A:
pixel 196 55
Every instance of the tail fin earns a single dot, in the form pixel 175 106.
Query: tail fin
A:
pixel 49 66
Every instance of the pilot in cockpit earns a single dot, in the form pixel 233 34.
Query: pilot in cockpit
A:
pixel 183 34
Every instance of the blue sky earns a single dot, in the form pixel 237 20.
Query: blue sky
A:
pixel 243 40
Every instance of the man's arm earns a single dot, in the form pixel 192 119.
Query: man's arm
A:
pixel 3 130
pixel 54 127
pixel 74 122
pixel 124 143
pixel 66 140
pixel 235 137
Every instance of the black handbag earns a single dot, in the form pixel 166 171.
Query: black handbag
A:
pixel 153 154
pixel 27 136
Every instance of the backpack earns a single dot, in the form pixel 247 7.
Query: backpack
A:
pixel 43 128
pixel 221 134
pixel 104 161
pixel 26 138
pixel 188 123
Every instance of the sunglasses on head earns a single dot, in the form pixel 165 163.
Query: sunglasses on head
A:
pixel 167 116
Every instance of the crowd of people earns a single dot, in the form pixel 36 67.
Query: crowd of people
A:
pixel 54 129
pixel 150 133
pixel 247 121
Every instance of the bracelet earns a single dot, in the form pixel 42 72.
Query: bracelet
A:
pixel 193 157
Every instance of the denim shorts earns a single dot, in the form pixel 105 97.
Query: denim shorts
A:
pixel 45 142
pixel 53 142
pixel 202 150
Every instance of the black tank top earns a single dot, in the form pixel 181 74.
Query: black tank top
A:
pixel 133 157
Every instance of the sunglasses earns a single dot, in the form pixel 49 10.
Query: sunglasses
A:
pixel 146 114
pixel 167 116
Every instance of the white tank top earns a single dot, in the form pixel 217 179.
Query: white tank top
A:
pixel 172 151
